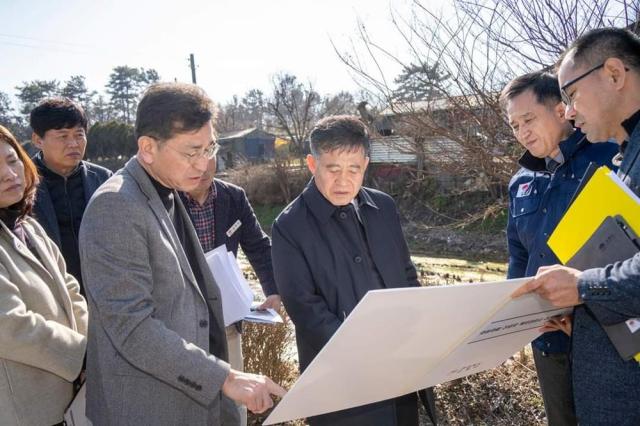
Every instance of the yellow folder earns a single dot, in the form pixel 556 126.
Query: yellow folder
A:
pixel 603 195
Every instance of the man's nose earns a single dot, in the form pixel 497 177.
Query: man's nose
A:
pixel 569 112
pixel 201 164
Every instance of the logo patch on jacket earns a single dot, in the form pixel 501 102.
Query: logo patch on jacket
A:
pixel 524 190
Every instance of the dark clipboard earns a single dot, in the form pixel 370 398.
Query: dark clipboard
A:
pixel 612 242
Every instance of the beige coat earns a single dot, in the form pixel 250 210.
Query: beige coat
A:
pixel 43 327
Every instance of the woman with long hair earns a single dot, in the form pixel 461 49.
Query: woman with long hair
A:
pixel 43 317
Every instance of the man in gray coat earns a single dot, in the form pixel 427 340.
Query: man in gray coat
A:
pixel 157 352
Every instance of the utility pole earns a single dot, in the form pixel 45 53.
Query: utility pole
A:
pixel 192 62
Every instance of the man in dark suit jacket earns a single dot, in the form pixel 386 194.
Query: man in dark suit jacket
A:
pixel 334 243
pixel 221 214
pixel 67 182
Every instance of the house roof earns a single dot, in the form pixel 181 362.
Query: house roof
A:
pixel 238 134
pixel 438 104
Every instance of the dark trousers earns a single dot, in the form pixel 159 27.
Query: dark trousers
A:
pixel 400 411
pixel 554 376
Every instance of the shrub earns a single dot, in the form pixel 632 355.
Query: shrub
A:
pixel 264 185
pixel 267 350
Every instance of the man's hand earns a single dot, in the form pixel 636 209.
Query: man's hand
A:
pixel 273 302
pixel 252 390
pixel 558 284
pixel 561 323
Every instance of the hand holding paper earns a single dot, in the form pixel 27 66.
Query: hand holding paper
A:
pixel 557 284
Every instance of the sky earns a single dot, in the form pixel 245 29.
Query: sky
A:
pixel 238 44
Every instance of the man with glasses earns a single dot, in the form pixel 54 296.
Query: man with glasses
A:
pixel 600 78
pixel 222 214
pixel 157 352
pixel 60 133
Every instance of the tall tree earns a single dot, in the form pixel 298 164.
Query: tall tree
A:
pixel 10 120
pixel 420 82
pixel 340 103
pixel 295 106
pixel 254 106
pixel 480 47
pixel 32 92
pixel 230 116
pixel 76 89
pixel 101 110
pixel 124 87
pixel 6 111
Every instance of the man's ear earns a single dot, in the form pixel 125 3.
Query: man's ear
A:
pixel 615 72
pixel 311 164
pixel 366 163
pixel 36 140
pixel 559 110
pixel 147 148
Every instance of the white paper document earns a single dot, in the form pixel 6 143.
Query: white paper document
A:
pixel 237 296
pixel 264 316
pixel 398 341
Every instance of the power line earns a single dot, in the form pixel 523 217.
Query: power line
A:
pixel 47 41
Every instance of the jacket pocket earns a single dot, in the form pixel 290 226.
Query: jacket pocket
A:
pixel 525 205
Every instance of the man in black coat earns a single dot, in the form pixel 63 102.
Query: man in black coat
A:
pixel 334 243
pixel 67 182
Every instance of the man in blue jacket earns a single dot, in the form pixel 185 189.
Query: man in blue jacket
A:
pixel 335 242
pixel 552 166
pixel 599 76
pixel 67 182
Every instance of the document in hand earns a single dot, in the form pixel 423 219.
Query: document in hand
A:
pixel 237 296
pixel 264 316
pixel 398 341
pixel 604 195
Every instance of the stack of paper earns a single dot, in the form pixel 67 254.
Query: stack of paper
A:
pixel 398 341
pixel 237 296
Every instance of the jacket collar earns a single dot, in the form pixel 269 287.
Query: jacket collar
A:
pixel 47 172
pixel 44 263
pixel 322 209
pixel 631 123
pixel 139 174
pixel 568 148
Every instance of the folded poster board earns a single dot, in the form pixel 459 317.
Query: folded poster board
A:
pixel 398 341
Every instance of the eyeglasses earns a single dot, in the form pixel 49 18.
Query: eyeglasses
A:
pixel 563 90
pixel 208 153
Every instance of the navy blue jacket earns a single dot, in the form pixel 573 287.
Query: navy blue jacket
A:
pixel 322 270
pixel 231 206
pixel 537 202
pixel 605 386
pixel 92 177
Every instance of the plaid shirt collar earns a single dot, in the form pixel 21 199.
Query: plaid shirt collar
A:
pixel 203 217
pixel 189 201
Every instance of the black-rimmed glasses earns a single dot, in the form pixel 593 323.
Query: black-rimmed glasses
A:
pixel 563 90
